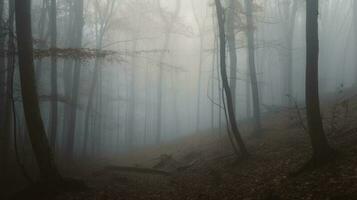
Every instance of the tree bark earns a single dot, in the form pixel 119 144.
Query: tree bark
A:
pixel 227 90
pixel 320 146
pixel 31 107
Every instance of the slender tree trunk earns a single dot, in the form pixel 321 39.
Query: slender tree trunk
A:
pixel 147 97
pixel 227 90
pixel 43 39
pixel 169 26
pixel 4 134
pixel 231 39
pixel 76 80
pixel 132 102
pixel 289 37
pixel 68 70
pixel 31 107
pixel 54 106
pixel 321 149
pixel 7 129
pixel 93 85
pixel 199 83
pixel 159 94
pixel 198 107
pixel 355 38
pixel 252 67
pixel 248 94
pixel 2 68
pixel 90 104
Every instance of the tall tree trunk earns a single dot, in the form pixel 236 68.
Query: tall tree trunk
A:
pixel 168 25
pixel 31 107
pixel 199 79
pixel 68 68
pixel 227 90
pixel 42 37
pixel 231 39
pixel 159 94
pixel 4 139
pixel 289 38
pixel 90 104
pixel 321 149
pixel 252 67
pixel 2 67
pixel 199 83
pixel 132 103
pixel 93 85
pixel 54 105
pixel 76 80
pixel 9 83
pixel 355 38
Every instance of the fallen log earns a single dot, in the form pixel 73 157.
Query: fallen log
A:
pixel 138 170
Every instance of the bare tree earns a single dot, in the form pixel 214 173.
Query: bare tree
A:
pixel 227 90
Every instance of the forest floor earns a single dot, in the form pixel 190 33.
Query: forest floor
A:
pixel 203 166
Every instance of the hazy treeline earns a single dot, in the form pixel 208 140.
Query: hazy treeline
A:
pixel 115 75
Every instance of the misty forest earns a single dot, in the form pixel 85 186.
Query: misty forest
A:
pixel 178 99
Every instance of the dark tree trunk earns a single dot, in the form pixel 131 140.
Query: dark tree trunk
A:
pixel 321 149
pixel 252 67
pixel 355 38
pixel 231 39
pixel 7 128
pixel 54 105
pixel 4 140
pixel 227 90
pixel 31 107
pixel 2 67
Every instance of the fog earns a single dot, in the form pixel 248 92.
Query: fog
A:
pixel 117 77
